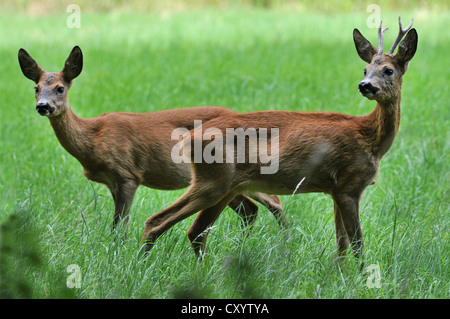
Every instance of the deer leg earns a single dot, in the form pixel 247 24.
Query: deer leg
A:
pixel 198 232
pixel 247 209
pixel 123 195
pixel 273 203
pixel 349 212
pixel 342 241
pixel 194 200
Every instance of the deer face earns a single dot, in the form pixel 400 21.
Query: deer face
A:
pixel 51 94
pixel 382 78
pixel 52 87
pixel 384 72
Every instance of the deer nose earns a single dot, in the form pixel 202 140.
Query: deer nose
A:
pixel 367 87
pixel 44 108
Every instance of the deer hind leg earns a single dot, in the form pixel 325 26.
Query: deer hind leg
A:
pixel 199 230
pixel 348 209
pixel 194 200
pixel 123 195
pixel 273 203
pixel 247 209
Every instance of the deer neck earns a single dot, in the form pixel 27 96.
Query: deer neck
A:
pixel 382 125
pixel 72 134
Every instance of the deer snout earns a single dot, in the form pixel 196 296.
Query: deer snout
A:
pixel 43 108
pixel 366 88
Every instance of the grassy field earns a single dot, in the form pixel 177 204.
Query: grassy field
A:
pixel 248 59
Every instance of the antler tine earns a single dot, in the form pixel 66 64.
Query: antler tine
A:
pixel 401 33
pixel 380 38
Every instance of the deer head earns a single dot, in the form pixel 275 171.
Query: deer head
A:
pixel 52 87
pixel 383 76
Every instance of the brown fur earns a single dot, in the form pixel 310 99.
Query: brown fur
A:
pixel 335 153
pixel 125 150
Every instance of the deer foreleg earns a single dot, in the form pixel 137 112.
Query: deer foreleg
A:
pixel 348 207
pixel 123 195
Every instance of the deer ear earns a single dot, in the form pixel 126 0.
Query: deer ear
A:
pixel 365 49
pixel 74 65
pixel 407 48
pixel 29 67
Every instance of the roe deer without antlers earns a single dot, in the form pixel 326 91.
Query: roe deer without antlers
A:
pixel 125 150
pixel 332 153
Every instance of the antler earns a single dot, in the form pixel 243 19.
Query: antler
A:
pixel 400 35
pixel 380 38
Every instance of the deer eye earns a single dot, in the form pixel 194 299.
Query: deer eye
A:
pixel 60 89
pixel 36 90
pixel 365 72
pixel 388 71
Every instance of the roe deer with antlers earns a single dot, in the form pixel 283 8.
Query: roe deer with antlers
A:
pixel 332 153
pixel 125 150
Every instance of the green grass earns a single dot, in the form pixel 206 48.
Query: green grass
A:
pixel 248 60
